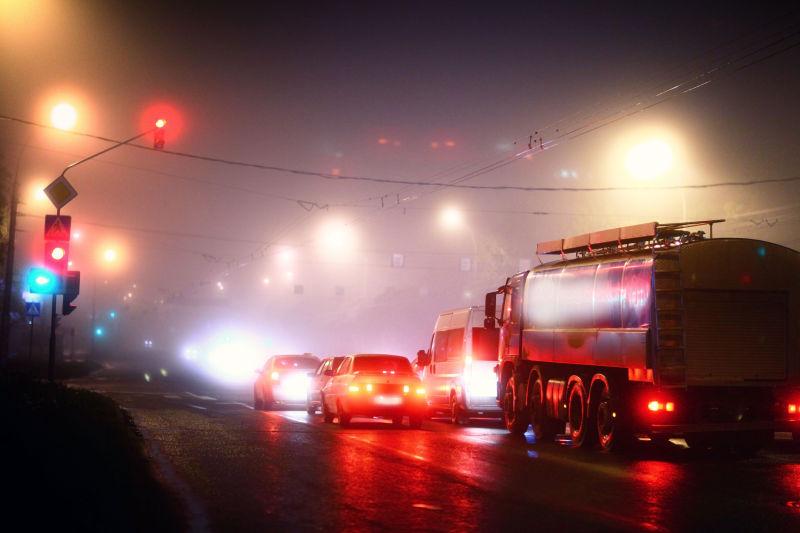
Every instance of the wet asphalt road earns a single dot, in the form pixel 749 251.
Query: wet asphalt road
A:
pixel 237 469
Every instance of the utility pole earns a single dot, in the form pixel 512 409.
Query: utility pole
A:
pixel 8 277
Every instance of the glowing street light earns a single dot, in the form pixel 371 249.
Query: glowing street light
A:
pixel 336 237
pixel 649 160
pixel 110 255
pixel 63 116
pixel 451 218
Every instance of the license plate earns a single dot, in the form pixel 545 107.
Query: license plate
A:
pixel 388 400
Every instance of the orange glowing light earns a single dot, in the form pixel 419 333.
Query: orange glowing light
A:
pixel 383 140
pixel 406 389
pixel 335 171
pixel 64 116
pixel 792 408
pixel 160 123
pixel 654 406
pixel 275 376
pixel 669 407
pixel 450 144
pixel 434 145
pixel 58 253
pixel 369 387
pixel 353 388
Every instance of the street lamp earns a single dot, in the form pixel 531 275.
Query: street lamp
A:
pixel 451 218
pixel 110 255
pixel 649 160
pixel 63 116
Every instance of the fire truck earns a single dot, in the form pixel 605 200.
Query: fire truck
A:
pixel 653 331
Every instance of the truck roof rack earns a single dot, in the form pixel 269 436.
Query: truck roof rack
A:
pixel 639 236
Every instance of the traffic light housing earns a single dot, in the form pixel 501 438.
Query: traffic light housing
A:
pixel 158 134
pixel 56 243
pixel 72 287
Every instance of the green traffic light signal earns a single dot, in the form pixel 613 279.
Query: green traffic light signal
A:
pixel 43 281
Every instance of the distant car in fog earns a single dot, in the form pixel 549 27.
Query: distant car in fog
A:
pixel 458 369
pixel 374 385
pixel 318 379
pixel 283 381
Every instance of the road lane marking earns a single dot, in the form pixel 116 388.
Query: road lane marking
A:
pixel 201 397
pixel 172 396
pixel 196 406
pixel 245 405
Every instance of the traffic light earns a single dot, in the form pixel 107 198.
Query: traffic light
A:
pixel 72 287
pixel 43 281
pixel 158 137
pixel 56 243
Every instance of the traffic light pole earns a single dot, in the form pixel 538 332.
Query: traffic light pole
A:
pixel 30 342
pixel 51 356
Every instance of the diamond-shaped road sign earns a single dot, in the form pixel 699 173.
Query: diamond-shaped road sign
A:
pixel 61 192
pixel 33 309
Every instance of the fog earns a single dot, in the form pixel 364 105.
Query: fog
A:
pixel 312 262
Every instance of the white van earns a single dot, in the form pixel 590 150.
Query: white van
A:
pixel 458 369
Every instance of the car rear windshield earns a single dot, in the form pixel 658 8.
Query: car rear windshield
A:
pixel 382 364
pixel 296 362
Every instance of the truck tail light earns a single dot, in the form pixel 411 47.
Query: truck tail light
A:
pixel 792 408
pixel 655 406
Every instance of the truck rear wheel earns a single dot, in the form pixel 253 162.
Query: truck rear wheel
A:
pixel 606 421
pixel 515 415
pixel 580 428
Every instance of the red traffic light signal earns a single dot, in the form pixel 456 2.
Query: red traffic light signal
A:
pixel 158 137
pixel 56 243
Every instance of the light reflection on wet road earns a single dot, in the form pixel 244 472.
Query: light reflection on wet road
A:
pixel 248 470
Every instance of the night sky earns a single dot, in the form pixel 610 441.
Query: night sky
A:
pixel 418 92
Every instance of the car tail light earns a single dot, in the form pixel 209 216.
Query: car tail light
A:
pixel 420 391
pixel 369 387
pixel 353 388
pixel 792 408
pixel 655 406
pixel 275 376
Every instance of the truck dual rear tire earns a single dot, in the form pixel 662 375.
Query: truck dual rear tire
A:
pixel 582 430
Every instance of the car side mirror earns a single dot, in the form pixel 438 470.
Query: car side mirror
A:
pixel 423 358
pixel 330 372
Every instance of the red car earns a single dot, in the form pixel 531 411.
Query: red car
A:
pixel 374 385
